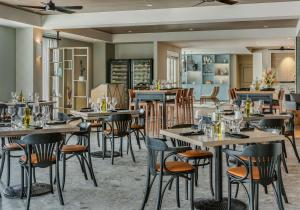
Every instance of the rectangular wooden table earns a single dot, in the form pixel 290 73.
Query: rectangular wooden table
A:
pixel 155 95
pixel 264 117
pixel 89 116
pixel 217 143
pixel 266 96
pixel 38 188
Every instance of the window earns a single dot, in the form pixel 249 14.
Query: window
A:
pixel 172 66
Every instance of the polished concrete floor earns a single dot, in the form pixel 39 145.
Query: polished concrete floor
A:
pixel 121 186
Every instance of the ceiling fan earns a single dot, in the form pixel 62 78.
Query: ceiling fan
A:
pixel 50 6
pixel 229 2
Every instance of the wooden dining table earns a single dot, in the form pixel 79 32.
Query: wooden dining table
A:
pixel 261 117
pixel 38 189
pixel 256 136
pixel 156 95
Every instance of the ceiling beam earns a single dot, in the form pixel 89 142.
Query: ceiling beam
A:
pixel 91 34
pixel 225 13
pixel 20 16
pixel 207 35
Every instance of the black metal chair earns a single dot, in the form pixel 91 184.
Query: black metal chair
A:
pixel 117 126
pixel 289 133
pixel 41 151
pixel 81 150
pixel 138 127
pixel 158 165
pixel 277 124
pixel 198 156
pixel 3 112
pixel 265 172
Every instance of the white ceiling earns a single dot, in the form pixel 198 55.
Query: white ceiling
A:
pixel 124 5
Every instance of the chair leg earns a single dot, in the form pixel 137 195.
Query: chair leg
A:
pixel 103 146
pixel 130 147
pixel 192 191
pixel 278 197
pixel 98 136
pixel 229 194
pixel 177 192
pixel 51 179
pixel 237 190
pixel 29 186
pixel 22 182
pixel 284 164
pixel 58 186
pixel 33 175
pixel 112 149
pixel 149 184
pixel 211 178
pixel 64 171
pixel 3 156
pixel 82 166
pixel 8 168
pixel 293 142
pixel 138 138
pixel 90 166
pixel 159 194
pixel 256 196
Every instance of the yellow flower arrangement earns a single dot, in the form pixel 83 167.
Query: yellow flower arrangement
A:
pixel 269 77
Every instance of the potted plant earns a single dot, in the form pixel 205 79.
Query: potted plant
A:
pixel 269 77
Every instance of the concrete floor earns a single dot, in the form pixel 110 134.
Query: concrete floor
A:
pixel 121 186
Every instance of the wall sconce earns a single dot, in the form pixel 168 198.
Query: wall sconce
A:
pixel 38 50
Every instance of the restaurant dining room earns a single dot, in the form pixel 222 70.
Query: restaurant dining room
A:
pixel 149 104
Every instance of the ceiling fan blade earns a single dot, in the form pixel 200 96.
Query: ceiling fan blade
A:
pixel 72 7
pixel 230 2
pixel 32 7
pixel 61 9
pixel 199 3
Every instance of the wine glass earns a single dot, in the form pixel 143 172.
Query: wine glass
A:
pixel 45 114
pixel 243 105
pixel 35 112
pixel 12 112
pixel 21 114
pixel 36 97
pixel 30 96
pixel 114 103
pixel 238 119
pixel 14 97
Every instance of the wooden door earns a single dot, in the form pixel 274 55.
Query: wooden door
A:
pixel 246 71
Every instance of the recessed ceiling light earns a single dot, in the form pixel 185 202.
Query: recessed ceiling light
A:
pixel 129 31
pixel 289 38
pixel 149 5
pixel 191 29
pixel 266 26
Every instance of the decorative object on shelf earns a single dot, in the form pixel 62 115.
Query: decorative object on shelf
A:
pixel 82 70
pixel 269 78
pixel 69 96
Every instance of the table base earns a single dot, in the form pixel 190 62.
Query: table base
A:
pixel 38 189
pixel 99 154
pixel 211 204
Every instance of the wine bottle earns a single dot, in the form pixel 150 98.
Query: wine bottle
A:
pixel 20 99
pixel 248 106
pixel 27 117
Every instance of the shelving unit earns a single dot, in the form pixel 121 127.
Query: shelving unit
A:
pixel 67 86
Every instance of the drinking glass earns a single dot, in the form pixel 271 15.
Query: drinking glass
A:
pixel 36 97
pixel 12 112
pixel 243 105
pixel 14 97
pixel 114 103
pixel 45 114
pixel 21 114
pixel 35 112
pixel 238 119
pixel 30 96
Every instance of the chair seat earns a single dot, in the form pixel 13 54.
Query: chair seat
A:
pixel 176 166
pixel 34 159
pixel 96 124
pixel 13 146
pixel 137 126
pixel 242 171
pixel 76 148
pixel 245 158
pixel 116 132
pixel 196 153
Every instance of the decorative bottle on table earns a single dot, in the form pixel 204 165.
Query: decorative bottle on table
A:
pixel 248 106
pixel 27 117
